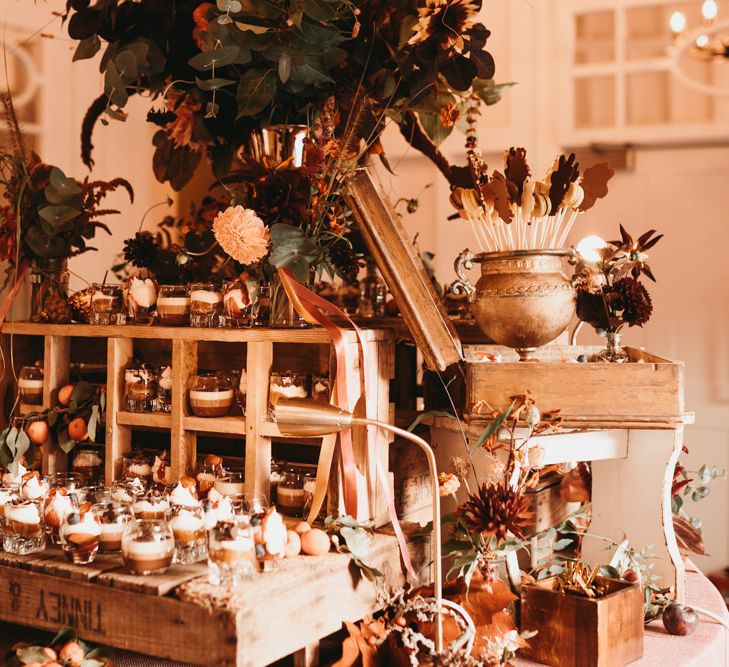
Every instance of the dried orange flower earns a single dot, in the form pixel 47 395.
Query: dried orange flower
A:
pixel 242 234
pixel 449 484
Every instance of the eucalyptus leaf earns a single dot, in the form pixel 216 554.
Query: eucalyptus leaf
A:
pixel 359 541
pixel 87 48
pixel 65 442
pixel 434 128
pixel 22 444
pixel 220 57
pixel 126 63
pixel 559 545
pixel 284 67
pixel 492 428
pixel 64 185
pixel 213 84
pixel 57 216
pixel 114 85
pixel 255 91
pixel 11 439
pixel 93 422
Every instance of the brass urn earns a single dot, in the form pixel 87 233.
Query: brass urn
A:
pixel 523 299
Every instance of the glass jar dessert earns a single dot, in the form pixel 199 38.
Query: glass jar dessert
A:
pixel 112 517
pixel 261 311
pixel 126 491
pixel 23 532
pixel 106 303
pixel 269 535
pixel 205 476
pixel 188 529
pixel 173 305
pixel 287 385
pixel 277 468
pixel 33 486
pixel 184 494
pixel 206 304
pixel 147 546
pixel 217 508
pixel 80 535
pixel 231 483
pixel 290 492
pixel 30 385
pixel 320 388
pixel 210 394
pixel 140 296
pixel 88 463
pixel 231 552
pixel 138 464
pixel 152 506
pixel 239 295
pixel 7 493
pixel 95 493
pixel 164 390
pixel 57 504
pixel 140 389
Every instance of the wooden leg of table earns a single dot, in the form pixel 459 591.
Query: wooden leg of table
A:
pixel 56 362
pixel 119 355
pixel 183 443
pixel 307 656
pixel 631 498
pixel 258 448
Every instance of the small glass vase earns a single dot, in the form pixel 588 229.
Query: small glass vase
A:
pixel 283 314
pixel 49 296
pixel 613 352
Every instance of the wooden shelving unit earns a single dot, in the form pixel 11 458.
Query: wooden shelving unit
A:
pixel 259 351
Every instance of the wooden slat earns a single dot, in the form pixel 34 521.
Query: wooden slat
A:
pixel 231 425
pixel 120 352
pixel 183 443
pixel 255 334
pixel 157 420
pixel 258 445
pixel 56 360
pixel 153 584
pixel 53 562
pixel 156 625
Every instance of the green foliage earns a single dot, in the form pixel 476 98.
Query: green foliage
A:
pixel 357 542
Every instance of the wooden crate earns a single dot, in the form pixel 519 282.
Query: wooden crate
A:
pixel 259 350
pixel 574 631
pixel 179 616
pixel 648 393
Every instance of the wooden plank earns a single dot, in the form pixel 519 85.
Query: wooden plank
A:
pixel 153 584
pixel 53 562
pixel 258 445
pixel 56 362
pixel 255 334
pixel 231 425
pixel 156 420
pixel 650 391
pixel 183 443
pixel 162 626
pixel 120 352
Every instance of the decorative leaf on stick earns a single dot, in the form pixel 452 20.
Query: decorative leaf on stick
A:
pixel 501 197
pixel 594 183
pixel 567 171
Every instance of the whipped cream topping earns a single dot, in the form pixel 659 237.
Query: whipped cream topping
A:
pixel 204 395
pixel 148 548
pixel 182 495
pixel 6 495
pixel 214 496
pixel 206 296
pixel 61 504
pixel 143 292
pixel 89 525
pixel 87 459
pixel 241 543
pixel 33 488
pixel 165 380
pixel 111 531
pixel 23 513
pixel 221 510
pixel 9 478
pixel 236 299
pixel 146 505
pixel 172 302
pixel 288 391
pixel 140 469
pixel 273 532
pixel 185 520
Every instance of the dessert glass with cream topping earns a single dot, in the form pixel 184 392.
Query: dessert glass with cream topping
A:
pixel 140 389
pixel 206 304
pixel 88 463
pixel 184 493
pixel 138 464
pixel 320 388
pixel 269 534
pixel 173 305
pixel 33 486
pixel 188 528
pixel 287 385
pixel 140 296
pixel 106 303
pixel 7 493
pixel 126 491
pixel 164 390
pixel 231 552
pixel 30 385
pixel 23 533
pixel 153 506
pixel 80 535
pixel 239 297
pixel 217 508
pixel 205 476
pixel 210 394
pixel 290 492
pixel 112 517
pixel 231 483
pixel 147 546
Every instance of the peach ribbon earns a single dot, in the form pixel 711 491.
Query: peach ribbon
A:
pixel 314 309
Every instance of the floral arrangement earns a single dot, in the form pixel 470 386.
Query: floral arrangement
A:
pixel 77 417
pixel 515 211
pixel 221 70
pixel 64 649
pixel 610 293
pixel 46 215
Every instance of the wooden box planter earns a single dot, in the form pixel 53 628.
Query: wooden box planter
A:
pixel 646 393
pixel 575 631
pixel 186 349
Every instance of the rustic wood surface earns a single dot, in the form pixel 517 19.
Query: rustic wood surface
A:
pixel 574 631
pixel 56 360
pixel 118 440
pixel 183 448
pixel 258 456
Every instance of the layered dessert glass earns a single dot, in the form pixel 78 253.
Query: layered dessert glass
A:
pixel 140 389
pixel 141 297
pixel 138 464
pixel 206 304
pixel 147 546
pixel 106 303
pixel 173 305
pixel 80 535
pixel 290 492
pixel 188 529
pixel 126 491
pixel 7 493
pixel 210 394
pixel 88 463
pixel 153 506
pixel 238 299
pixel 286 385
pixel 231 483
pixel 164 390
pixel 33 486
pixel 184 493
pixel 217 508
pixel 112 517
pixel 30 385
pixel 23 533
pixel 231 552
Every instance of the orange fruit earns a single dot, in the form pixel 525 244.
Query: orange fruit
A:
pixel 315 542
pixel 64 394
pixel 37 432
pixel 293 544
pixel 302 527
pixel 77 429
